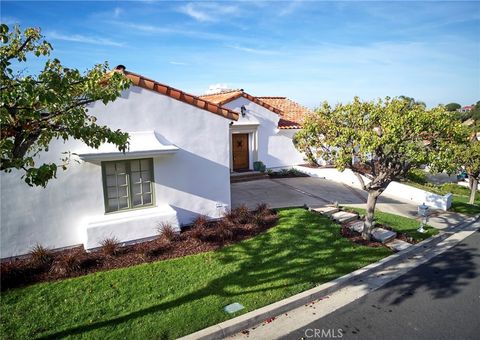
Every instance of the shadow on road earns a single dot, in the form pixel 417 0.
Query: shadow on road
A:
pixel 442 277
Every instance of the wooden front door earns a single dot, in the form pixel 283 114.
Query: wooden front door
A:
pixel 240 151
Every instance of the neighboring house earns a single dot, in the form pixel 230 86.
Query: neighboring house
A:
pixel 177 167
pixel 182 151
pixel 264 130
pixel 466 108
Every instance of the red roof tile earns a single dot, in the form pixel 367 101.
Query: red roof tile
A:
pixel 141 81
pixel 224 97
pixel 292 112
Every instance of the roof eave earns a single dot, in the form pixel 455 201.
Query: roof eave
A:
pixel 149 84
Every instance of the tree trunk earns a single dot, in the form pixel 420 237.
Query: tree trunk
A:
pixel 473 190
pixel 371 203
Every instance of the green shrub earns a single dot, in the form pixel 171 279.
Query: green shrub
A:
pixel 418 176
pixel 455 189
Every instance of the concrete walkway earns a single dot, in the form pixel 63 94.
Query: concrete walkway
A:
pixel 311 191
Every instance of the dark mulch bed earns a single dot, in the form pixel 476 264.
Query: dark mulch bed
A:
pixel 203 237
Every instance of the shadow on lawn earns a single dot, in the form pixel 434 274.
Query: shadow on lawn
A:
pixel 304 245
pixel 465 208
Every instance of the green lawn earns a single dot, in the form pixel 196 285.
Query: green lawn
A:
pixel 400 224
pixel 460 196
pixel 168 299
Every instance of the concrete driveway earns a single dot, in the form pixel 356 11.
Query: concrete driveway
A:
pixel 291 192
pixel 314 191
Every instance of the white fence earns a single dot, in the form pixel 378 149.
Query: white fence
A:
pixel 394 189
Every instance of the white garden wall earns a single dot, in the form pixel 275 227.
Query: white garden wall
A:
pixel 194 180
pixel 395 189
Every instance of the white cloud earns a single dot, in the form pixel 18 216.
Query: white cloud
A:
pixel 178 63
pixel 83 39
pixel 207 11
pixel 192 10
pixel 290 8
pixel 252 50
pixel 117 11
pixel 216 88
pixel 167 30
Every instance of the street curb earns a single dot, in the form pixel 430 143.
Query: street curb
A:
pixel 245 321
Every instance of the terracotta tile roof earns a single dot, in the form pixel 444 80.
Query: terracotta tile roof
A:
pixel 292 112
pixel 149 84
pixel 224 97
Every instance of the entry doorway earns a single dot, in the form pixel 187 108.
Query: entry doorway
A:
pixel 240 151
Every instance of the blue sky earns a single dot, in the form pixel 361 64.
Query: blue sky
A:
pixel 310 51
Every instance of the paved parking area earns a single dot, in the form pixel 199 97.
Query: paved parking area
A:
pixel 299 191
pixel 291 192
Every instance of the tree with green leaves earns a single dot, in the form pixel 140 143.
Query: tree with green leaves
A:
pixel 452 107
pixel 468 158
pixel 36 109
pixel 381 140
pixel 412 101
pixel 471 162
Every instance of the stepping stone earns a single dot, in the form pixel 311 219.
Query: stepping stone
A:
pixel 356 226
pixel 325 210
pixel 383 235
pixel 398 245
pixel 344 217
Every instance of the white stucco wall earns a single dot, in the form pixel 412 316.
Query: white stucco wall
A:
pixel 192 181
pixel 395 189
pixel 275 146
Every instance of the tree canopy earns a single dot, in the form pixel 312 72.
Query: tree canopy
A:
pixel 469 157
pixel 381 140
pixel 36 109
pixel 451 107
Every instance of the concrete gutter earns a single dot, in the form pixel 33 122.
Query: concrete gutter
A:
pixel 250 319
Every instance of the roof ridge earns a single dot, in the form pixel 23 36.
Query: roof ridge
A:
pixel 220 92
pixel 242 93
pixel 172 92
pixel 272 97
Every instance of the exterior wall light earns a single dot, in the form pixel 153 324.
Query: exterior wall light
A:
pixel 243 110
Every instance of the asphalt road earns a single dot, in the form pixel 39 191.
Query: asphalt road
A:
pixel 437 300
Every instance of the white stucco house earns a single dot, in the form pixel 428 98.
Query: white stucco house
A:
pixel 183 149
pixel 264 130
